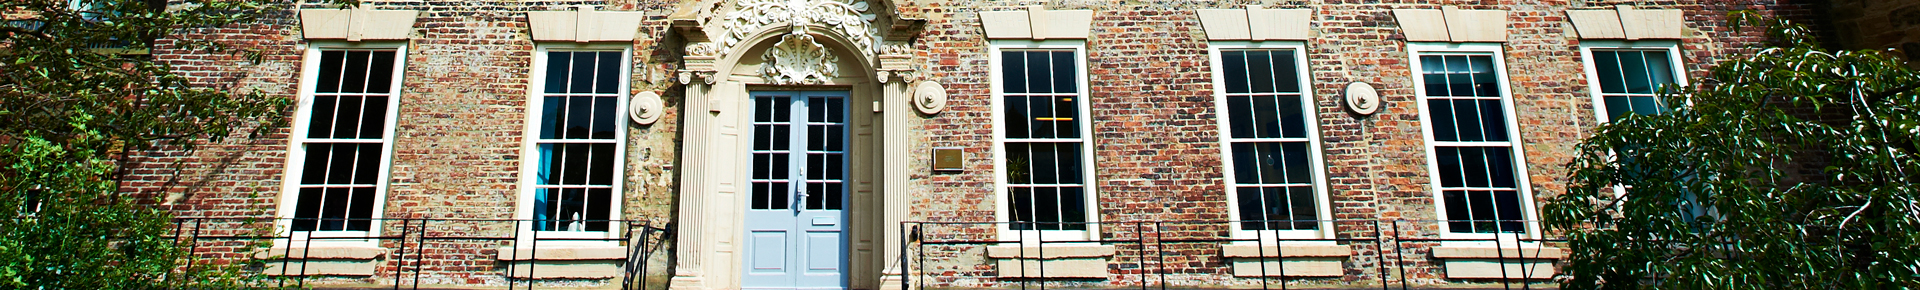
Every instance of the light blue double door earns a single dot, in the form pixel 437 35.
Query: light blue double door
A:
pixel 796 219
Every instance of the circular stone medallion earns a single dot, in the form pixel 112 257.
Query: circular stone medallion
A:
pixel 1362 99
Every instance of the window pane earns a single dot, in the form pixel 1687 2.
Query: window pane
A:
pixel 778 196
pixel 578 118
pixel 1235 65
pixel 1073 209
pixel 1659 68
pixel 581 78
pixel 1293 119
pixel 307 208
pixel 380 72
pixel 1045 123
pixel 1434 71
pixel 1473 167
pixel 332 63
pixel 1019 163
pixel 1634 70
pixel 1069 156
pixel 1607 65
pixel 1038 72
pixel 1013 71
pixel 360 211
pixel 354 79
pixel 1295 153
pixel 1508 206
pixel 1047 207
pixel 1481 203
pixel 559 63
pixel 607 79
pixel 1493 120
pixel 1457 211
pixel 1260 71
pixel 1046 160
pixel 367 167
pixel 1066 117
pixel 1485 82
pixel 1301 203
pixel 834 193
pixel 1022 210
pixel 1285 79
pixel 1441 111
pixel 1466 115
pixel 1251 209
pixel 333 212
pixel 1618 107
pixel 1459 76
pixel 314 171
pixel 1065 73
pixel 1266 117
pixel 347 121
pixel 1240 116
pixel 1449 163
pixel 1247 162
pixel 320 121
pixel 1647 105
pixel 373 118
pixel 340 170
pixel 605 117
pixel 1500 167
pixel 1019 120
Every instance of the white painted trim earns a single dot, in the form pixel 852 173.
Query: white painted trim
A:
pixel 1522 183
pixel 999 140
pixel 297 138
pixel 529 150
pixel 1316 159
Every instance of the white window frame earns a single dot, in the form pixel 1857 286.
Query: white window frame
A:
pixel 1001 212
pixel 1316 157
pixel 1523 185
pixel 296 149
pixel 529 161
pixel 1593 74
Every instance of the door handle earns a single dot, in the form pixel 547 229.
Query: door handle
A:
pixel 800 193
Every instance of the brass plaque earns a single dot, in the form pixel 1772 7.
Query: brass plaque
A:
pixel 946 159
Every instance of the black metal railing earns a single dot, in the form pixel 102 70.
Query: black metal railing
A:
pixel 409 241
pixel 1383 252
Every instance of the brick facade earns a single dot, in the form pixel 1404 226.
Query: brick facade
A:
pixel 457 145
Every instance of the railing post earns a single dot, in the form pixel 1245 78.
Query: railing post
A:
pixel 1399 255
pixel 419 252
pixel 1160 249
pixel 1380 254
pixel 400 257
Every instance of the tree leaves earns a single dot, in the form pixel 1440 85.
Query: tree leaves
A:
pixel 73 113
pixel 1793 168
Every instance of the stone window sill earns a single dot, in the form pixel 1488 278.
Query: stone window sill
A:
pixel 1531 262
pixel 321 261
pixel 564 262
pixel 1290 260
pixel 1072 261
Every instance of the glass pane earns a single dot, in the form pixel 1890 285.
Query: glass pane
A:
pixel 1659 68
pixel 835 169
pixel 1046 161
pixel 1466 114
pixel 1013 71
pixel 762 165
pixel 816 109
pixel 1295 153
pixel 1046 207
pixel 1066 117
pixel 1618 107
pixel 559 63
pixel 1022 211
pixel 1235 65
pixel 1434 71
pixel 607 79
pixel 1045 123
pixel 816 137
pixel 333 212
pixel 1260 71
pixel 1038 72
pixel 1300 200
pixel 759 195
pixel 778 195
pixel 605 117
pixel 1508 204
pixel 1481 204
pixel 1493 120
pixel 360 211
pixel 320 121
pixel 1634 70
pixel 837 110
pixel 1019 163
pixel 1266 117
pixel 1457 213
pixel 331 65
pixel 581 77
pixel 314 171
pixel 1276 208
pixel 380 73
pixel 373 118
pixel 1251 210
pixel 1647 105
pixel 1449 164
pixel 1607 65
pixel 1240 116
pixel 836 137
pixel 1473 167
pixel 1019 119
pixel 1073 209
pixel 307 208
pixel 1069 157
pixel 1246 163
pixel 340 170
pixel 602 161
pixel 1459 76
pixel 579 116
pixel 834 194
pixel 1286 78
pixel 1485 78
pixel 367 167
pixel 551 109
pixel 1065 72
pixel 1500 167
pixel 816 196
pixel 354 78
pixel 599 208
pixel 1293 119
pixel 1441 113
pixel 347 121
pixel 816 166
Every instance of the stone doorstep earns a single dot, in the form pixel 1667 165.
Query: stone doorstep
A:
pixel 559 253
pixel 1285 250
pixel 1051 251
pixel 323 252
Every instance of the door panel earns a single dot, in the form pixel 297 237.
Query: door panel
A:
pixel 795 212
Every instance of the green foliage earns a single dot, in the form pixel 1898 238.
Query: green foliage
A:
pixel 1792 168
pixel 72 115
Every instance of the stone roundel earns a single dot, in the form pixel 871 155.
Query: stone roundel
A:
pixel 1362 98
pixel 929 97
pixel 646 108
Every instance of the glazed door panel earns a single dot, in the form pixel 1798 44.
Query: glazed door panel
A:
pixel 795 216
